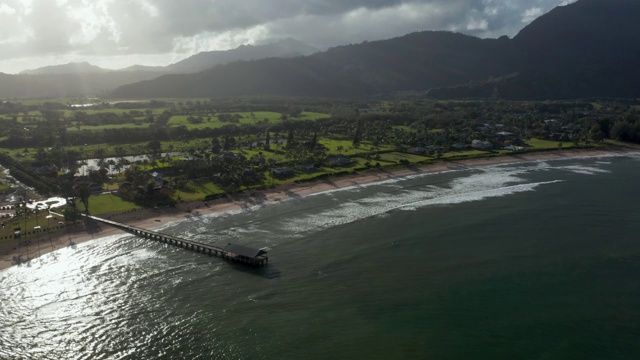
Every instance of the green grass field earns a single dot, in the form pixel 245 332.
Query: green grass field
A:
pixel 348 149
pixel 92 111
pixel 107 204
pixel 247 118
pixel 268 155
pixel 464 154
pixel 539 144
pixel 197 190
pixel 395 157
pixel 110 126
pixel 4 188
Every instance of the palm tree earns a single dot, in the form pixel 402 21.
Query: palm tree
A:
pixel 111 163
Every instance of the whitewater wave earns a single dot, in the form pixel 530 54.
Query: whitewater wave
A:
pixel 491 182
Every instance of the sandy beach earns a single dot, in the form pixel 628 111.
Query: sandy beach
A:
pixel 13 253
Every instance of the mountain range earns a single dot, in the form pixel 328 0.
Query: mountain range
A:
pixel 285 48
pixel 81 79
pixel 589 48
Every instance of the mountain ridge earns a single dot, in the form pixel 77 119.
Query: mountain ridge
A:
pixel 584 49
pixel 284 48
pixel 83 67
pixel 566 54
pixel 349 70
pixel 589 48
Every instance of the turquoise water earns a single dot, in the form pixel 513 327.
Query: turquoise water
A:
pixel 536 260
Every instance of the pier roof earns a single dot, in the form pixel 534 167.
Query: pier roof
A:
pixel 244 250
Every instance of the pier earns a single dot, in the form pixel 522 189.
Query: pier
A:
pixel 233 253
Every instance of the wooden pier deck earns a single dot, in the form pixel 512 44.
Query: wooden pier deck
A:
pixel 233 253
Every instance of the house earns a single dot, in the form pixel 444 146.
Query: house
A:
pixel 418 151
pixel 339 161
pixel 481 145
pixel 158 179
pixel 504 133
pixel 228 155
pixel 305 167
pixel 249 176
pixel 94 188
pixel 245 254
pixel 188 158
pixel 282 172
pixel 459 147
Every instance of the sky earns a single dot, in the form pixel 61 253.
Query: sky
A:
pixel 119 33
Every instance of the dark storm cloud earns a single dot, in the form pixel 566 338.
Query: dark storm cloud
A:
pixel 117 27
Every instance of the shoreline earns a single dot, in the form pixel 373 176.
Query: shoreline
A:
pixel 12 254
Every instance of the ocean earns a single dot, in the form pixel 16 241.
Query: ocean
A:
pixel 536 260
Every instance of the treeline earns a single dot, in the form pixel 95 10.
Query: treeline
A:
pixel 627 130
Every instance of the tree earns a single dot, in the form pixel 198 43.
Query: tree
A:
pixel 622 131
pixel 99 153
pixel 229 143
pixel 357 135
pixel 290 140
pixel 83 193
pixel 596 134
pixel 314 141
pixel 267 141
pixel 111 163
pixel 100 176
pixel 215 146
pixel 41 155
pixel 155 146
pixel 72 157
pixel 70 214
pixel 120 152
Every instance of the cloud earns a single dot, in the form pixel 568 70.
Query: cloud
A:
pixel 531 14
pixel 72 29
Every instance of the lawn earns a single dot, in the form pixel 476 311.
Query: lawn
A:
pixel 197 190
pixel 308 115
pixel 268 155
pixel 539 144
pixel 108 126
pixel 4 188
pixel 92 111
pixel 26 225
pixel 465 154
pixel 348 149
pixel 247 118
pixel 301 176
pixel 395 157
pixel 107 204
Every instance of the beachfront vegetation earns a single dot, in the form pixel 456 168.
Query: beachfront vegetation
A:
pixel 204 149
